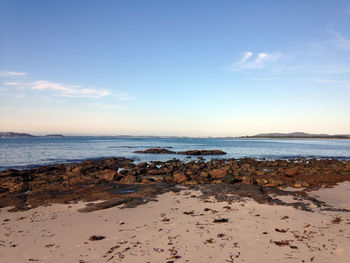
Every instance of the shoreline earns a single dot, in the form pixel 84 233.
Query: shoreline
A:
pixel 108 178
pixel 182 158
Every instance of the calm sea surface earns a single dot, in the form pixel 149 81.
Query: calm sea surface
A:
pixel 32 152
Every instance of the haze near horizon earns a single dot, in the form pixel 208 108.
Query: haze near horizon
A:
pixel 182 68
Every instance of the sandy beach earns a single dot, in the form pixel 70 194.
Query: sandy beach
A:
pixel 178 227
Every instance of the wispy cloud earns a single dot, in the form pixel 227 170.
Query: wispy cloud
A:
pixel 6 73
pixel 246 56
pixel 54 88
pixel 123 96
pixel 261 61
pixel 340 41
pixel 69 90
pixel 63 90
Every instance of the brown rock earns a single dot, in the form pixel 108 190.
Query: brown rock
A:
pixel 155 171
pixel 261 181
pixel 204 174
pixel 168 178
pixel 128 179
pixel 190 173
pixel 300 183
pixel 275 182
pixel 192 182
pixel 291 171
pixel 179 177
pixel 109 175
pixel 218 173
pixel 217 181
pixel 247 180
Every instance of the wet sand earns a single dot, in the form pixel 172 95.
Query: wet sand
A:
pixel 179 227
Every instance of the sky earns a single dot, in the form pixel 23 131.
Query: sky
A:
pixel 174 68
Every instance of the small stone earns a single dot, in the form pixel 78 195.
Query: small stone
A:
pixel 96 238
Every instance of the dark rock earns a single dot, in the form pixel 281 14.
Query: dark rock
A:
pixel 230 179
pixel 128 179
pixel 156 151
pixel 220 220
pixel 202 152
pixel 96 238
pixel 109 174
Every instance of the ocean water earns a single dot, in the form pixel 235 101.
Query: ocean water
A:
pixel 23 153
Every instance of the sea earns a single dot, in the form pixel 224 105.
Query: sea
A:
pixel 32 152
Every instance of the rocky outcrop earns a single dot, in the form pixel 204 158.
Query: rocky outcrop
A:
pixel 48 181
pixel 202 152
pixel 189 152
pixel 156 151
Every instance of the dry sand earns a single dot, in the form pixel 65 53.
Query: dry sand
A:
pixel 161 232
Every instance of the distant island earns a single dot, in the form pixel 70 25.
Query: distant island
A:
pixel 26 135
pixel 299 135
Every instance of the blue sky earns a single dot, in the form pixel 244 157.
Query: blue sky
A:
pixel 194 68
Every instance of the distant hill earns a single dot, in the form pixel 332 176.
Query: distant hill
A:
pixel 14 134
pixel 300 135
pixel 24 135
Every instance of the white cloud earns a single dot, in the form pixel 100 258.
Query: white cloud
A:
pixel 340 41
pixel 14 83
pixel 6 73
pixel 58 89
pixel 262 60
pixel 69 90
pixel 246 56
pixel 63 90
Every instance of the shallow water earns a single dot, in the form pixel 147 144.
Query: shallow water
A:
pixel 33 152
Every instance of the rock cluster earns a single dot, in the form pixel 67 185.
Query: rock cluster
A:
pixel 280 173
pixel 135 183
pixel 202 152
pixel 189 152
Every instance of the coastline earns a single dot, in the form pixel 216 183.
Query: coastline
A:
pixel 108 178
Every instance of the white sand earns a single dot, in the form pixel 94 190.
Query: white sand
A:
pixel 143 234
